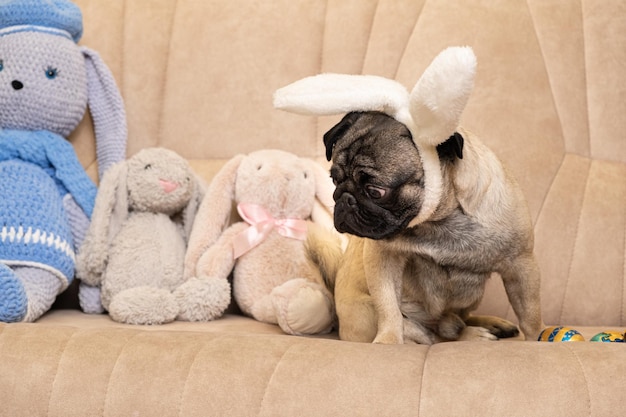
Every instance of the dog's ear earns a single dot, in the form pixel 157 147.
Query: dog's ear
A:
pixel 336 132
pixel 451 148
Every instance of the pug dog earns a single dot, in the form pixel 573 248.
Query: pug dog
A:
pixel 398 280
pixel 429 210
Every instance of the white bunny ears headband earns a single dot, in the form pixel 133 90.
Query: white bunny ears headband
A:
pixel 431 111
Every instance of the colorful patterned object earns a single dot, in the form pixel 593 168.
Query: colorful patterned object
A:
pixel 609 336
pixel 560 334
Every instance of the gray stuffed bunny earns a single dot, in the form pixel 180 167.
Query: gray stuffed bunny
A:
pixel 135 247
pixel 46 198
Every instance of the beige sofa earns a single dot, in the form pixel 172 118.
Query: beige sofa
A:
pixel 197 76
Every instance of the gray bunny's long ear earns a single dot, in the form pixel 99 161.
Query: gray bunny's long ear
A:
pixel 190 211
pixel 107 111
pixel 110 211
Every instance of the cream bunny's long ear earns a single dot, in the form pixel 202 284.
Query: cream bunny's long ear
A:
pixel 213 215
pixel 107 110
pixel 109 213
pixel 324 204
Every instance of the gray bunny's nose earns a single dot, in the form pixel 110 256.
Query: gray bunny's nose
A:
pixel 17 85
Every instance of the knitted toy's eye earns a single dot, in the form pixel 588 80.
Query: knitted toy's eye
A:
pixel 147 167
pixel 51 73
pixel 1 65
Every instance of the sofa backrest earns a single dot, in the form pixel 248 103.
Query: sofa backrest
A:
pixel 550 99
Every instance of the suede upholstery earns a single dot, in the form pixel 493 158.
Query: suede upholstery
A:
pixel 197 76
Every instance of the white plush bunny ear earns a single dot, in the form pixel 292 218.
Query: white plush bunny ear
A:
pixel 439 97
pixel 431 112
pixel 435 108
pixel 328 94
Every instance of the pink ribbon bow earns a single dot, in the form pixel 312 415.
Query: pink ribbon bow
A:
pixel 261 224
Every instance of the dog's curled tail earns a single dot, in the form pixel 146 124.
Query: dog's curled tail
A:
pixel 324 252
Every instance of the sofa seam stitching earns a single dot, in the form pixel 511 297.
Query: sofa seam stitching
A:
pixel 408 40
pixel 318 148
pixel 56 373
pixel 550 187
pixel 584 374
pixel 584 52
pixel 419 396
pixel 117 360
pixel 622 310
pixel 548 75
pixel 269 381
pixel 576 241
pixel 161 112
pixel 122 48
pixel 186 384
pixel 369 36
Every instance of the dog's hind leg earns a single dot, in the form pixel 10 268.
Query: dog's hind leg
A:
pixel 473 333
pixel 416 333
pixel 495 325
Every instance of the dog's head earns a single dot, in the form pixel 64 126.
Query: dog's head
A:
pixel 378 202
pixel 378 173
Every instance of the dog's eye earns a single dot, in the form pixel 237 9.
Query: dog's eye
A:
pixel 375 192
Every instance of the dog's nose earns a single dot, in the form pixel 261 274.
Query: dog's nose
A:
pixel 348 200
pixel 17 85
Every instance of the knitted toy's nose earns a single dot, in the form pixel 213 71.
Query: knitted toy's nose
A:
pixel 17 85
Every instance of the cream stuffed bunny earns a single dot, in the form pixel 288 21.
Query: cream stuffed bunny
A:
pixel 135 246
pixel 275 194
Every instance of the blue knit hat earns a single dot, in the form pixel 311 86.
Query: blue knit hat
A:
pixel 60 17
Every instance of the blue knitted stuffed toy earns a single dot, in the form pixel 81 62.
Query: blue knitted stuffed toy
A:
pixel 46 198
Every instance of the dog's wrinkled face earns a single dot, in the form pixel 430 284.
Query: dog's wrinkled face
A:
pixel 378 174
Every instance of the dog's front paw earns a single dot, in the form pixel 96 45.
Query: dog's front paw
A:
pixel 473 334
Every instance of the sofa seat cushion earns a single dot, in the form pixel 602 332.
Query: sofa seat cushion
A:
pixel 78 365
